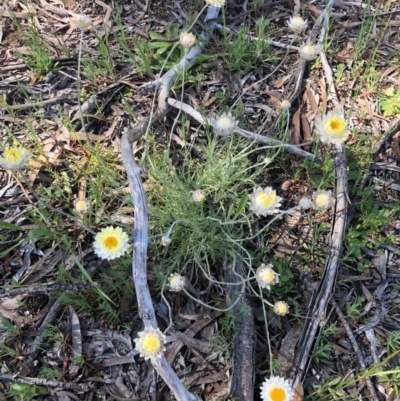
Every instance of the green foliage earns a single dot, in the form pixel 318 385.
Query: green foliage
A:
pixel 49 373
pixel 393 341
pixel 390 102
pixel 24 392
pixel 353 308
pixel 370 221
pixel 323 350
pixel 243 54
pixel 39 57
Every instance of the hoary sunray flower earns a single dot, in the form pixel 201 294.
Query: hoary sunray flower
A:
pixel 308 51
pixel 264 201
pixel 323 200
pixel 82 22
pixel 281 308
pixel 297 24
pixel 81 206
pixel 165 240
pixel 187 40
pixel 15 158
pixel 199 196
pixel 215 3
pixel 305 203
pixel 176 282
pixel 225 124
pixel 332 128
pixel 285 104
pixel 111 243
pixel 276 388
pixel 266 276
pixel 150 343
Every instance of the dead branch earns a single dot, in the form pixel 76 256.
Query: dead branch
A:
pixel 140 240
pixel 356 348
pixel 48 383
pixel 242 387
pixel 45 289
pixel 316 316
pixel 246 134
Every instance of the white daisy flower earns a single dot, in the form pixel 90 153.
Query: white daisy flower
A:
pixel 81 206
pixel 225 124
pixel 323 200
pixel 176 282
pixel 82 22
pixel 15 158
pixel 297 24
pixel 266 276
pixel 199 196
pixel 276 388
pixel 187 40
pixel 281 308
pixel 150 343
pixel 332 128
pixel 215 3
pixel 111 243
pixel 309 51
pixel 264 201
pixel 305 203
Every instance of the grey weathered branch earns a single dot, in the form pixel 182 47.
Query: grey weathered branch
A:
pixel 246 134
pixel 316 316
pixel 140 237
pixel 242 387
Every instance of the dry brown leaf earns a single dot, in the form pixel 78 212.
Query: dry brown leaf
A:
pixel 295 134
pixel 307 133
pixel 298 393
pixel 310 96
pixel 396 144
pixel 323 94
pixel 287 350
pixel 281 81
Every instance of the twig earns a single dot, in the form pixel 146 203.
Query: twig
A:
pixel 55 309
pixel 42 103
pixel 48 383
pixel 356 349
pixel 46 289
pixel 246 134
pixel 393 127
pixel 242 385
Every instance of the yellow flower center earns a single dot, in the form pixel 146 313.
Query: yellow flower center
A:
pixel 175 281
pixel 335 126
pixel 268 276
pixel 309 49
pixel 277 394
pixel 110 242
pixel 322 200
pixel 80 205
pixel 265 200
pixel 13 155
pixel 224 122
pixel 151 343
pixel 281 307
